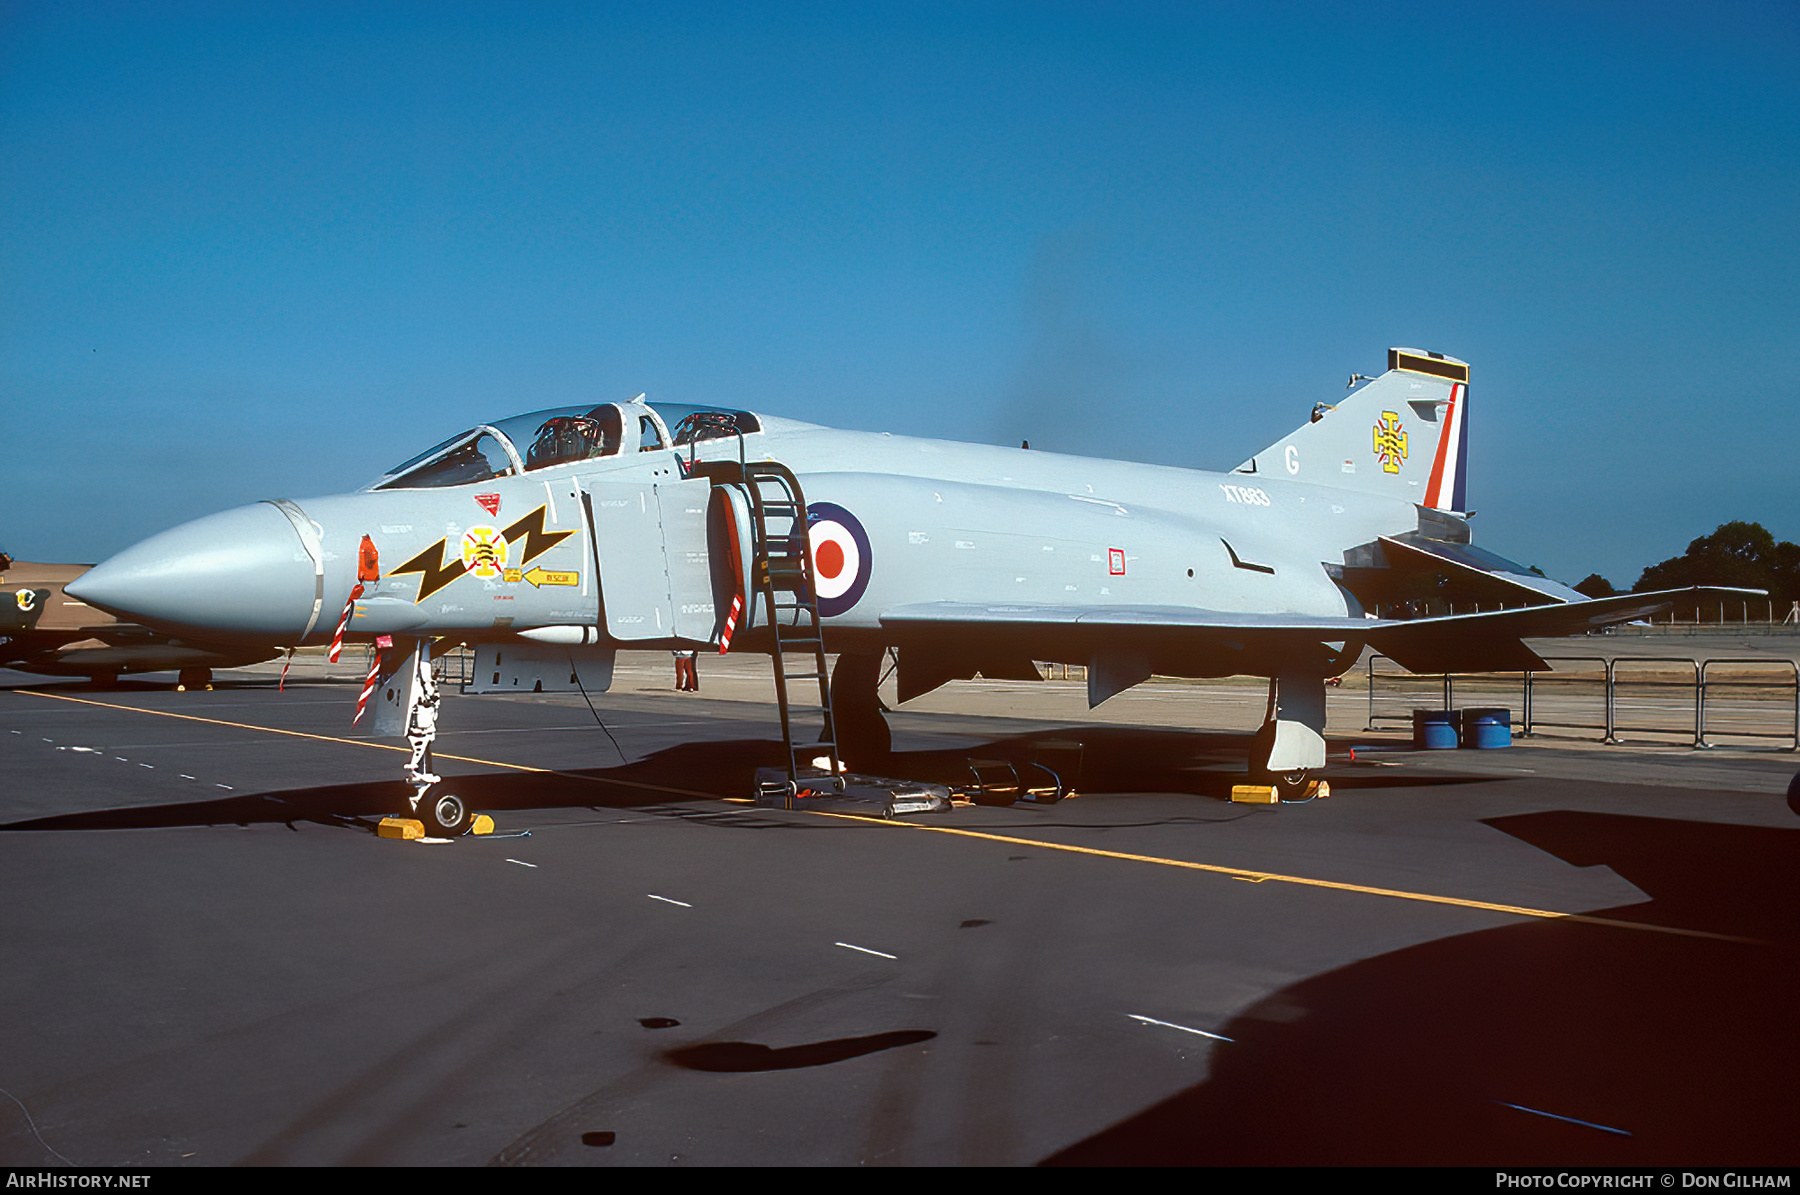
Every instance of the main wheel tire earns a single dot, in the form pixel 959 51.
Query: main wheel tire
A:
pixel 1292 786
pixel 445 815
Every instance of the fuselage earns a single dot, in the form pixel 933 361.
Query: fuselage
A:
pixel 915 520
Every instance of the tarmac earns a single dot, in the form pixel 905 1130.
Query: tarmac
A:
pixel 1562 953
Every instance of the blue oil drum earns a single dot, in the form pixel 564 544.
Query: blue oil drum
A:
pixel 1435 730
pixel 1485 728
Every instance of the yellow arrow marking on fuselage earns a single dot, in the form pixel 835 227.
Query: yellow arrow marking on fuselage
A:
pixel 541 576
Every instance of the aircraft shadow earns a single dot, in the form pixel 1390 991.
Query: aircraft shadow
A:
pixel 1541 1043
pixel 1114 759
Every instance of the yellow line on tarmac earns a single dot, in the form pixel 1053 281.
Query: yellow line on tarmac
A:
pixel 1218 869
pixel 326 738
pixel 1259 876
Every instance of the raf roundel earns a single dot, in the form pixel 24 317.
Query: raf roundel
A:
pixel 841 557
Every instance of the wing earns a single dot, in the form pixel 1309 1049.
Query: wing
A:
pixel 960 638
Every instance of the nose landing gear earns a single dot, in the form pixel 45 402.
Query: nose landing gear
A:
pixel 414 695
pixel 445 815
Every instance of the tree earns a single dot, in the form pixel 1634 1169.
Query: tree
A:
pixel 1595 586
pixel 1738 554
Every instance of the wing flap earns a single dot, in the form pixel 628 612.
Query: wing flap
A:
pixel 1472 564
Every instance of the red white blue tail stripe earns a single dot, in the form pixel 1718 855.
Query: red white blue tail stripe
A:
pixel 1448 488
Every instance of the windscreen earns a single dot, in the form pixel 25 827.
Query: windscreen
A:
pixel 481 458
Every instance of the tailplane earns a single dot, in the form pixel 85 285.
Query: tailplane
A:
pixel 1403 435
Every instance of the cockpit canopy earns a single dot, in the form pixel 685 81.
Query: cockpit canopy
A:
pixel 563 436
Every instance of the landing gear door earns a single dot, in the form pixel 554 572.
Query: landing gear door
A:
pixel 683 505
pixel 634 573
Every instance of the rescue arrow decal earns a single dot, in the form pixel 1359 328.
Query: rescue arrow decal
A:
pixel 540 577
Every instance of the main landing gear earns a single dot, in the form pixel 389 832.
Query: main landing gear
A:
pixel 864 741
pixel 1290 747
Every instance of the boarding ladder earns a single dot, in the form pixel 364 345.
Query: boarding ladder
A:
pixel 781 572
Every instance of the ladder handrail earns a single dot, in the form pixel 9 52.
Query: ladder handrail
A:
pixel 787 570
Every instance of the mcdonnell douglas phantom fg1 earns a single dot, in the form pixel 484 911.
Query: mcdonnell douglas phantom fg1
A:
pixel 548 541
pixel 42 630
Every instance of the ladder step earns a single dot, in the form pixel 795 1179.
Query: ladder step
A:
pixel 781 550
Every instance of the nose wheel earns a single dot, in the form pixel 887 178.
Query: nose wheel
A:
pixel 445 815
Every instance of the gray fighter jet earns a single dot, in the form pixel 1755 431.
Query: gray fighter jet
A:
pixel 43 631
pixel 548 541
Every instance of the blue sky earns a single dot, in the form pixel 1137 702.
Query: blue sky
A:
pixel 255 251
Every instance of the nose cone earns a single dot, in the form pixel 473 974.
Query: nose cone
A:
pixel 240 574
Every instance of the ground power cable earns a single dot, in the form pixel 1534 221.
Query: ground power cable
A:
pixel 576 673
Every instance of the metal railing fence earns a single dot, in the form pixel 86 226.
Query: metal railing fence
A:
pixel 1588 697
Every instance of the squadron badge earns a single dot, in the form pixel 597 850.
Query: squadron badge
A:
pixel 1390 442
pixel 484 552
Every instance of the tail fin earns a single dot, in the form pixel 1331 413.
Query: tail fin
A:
pixel 1404 435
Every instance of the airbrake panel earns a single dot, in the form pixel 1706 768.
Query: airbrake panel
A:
pixel 655 575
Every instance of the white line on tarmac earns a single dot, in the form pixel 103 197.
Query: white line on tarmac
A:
pixel 866 950
pixel 1172 1025
pixel 653 896
pixel 522 863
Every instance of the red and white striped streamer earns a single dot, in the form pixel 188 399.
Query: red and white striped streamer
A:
pixel 737 607
pixel 362 700
pixel 337 640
